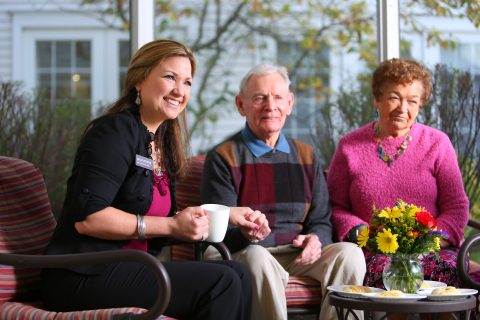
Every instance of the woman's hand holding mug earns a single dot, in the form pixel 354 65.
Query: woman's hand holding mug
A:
pixel 190 224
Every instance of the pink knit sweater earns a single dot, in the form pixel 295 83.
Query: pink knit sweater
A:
pixel 427 175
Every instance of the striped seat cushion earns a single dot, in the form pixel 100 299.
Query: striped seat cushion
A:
pixel 23 311
pixel 26 223
pixel 303 292
pixel 26 226
pixel 474 271
pixel 187 192
pixel 300 291
pixel 182 252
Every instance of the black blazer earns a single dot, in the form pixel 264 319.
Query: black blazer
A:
pixel 105 174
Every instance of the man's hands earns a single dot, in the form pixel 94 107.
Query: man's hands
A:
pixel 252 224
pixel 312 248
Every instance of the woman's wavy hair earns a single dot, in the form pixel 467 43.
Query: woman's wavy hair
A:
pixel 401 71
pixel 171 136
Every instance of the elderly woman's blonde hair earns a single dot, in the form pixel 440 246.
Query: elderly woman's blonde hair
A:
pixel 401 71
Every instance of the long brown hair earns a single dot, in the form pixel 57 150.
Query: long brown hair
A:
pixel 171 136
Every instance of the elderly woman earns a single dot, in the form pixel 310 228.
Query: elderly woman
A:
pixel 396 158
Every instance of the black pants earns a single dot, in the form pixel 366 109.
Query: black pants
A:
pixel 200 290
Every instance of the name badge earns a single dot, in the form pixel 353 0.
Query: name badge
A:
pixel 143 162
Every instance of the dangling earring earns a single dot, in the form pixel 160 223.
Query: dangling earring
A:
pixel 138 100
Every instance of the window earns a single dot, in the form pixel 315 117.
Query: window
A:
pixel 464 56
pixel 123 60
pixel 310 76
pixel 63 69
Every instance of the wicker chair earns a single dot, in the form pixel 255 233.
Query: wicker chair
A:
pixel 469 270
pixel 26 226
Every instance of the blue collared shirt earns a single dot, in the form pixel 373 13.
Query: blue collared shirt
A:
pixel 258 147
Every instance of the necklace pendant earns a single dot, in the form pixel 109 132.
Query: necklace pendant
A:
pixel 158 171
pixel 400 149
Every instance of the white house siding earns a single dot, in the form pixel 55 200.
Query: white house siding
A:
pixel 5 46
pixel 21 21
pixel 234 63
pixel 8 8
pixel 25 22
pixel 462 31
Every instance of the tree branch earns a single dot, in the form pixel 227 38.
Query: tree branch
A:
pixel 201 24
pixel 222 29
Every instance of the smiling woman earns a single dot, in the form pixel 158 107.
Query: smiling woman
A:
pixel 165 91
pixel 120 195
pixel 397 158
pixel 400 89
pixel 398 107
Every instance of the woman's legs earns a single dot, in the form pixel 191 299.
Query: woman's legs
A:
pixel 199 290
pixel 225 291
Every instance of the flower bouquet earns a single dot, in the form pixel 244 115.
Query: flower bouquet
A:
pixel 404 232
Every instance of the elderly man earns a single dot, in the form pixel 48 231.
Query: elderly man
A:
pixel 260 168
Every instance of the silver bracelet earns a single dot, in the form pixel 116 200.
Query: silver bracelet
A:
pixel 141 227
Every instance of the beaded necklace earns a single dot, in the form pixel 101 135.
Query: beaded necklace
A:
pixel 400 150
pixel 157 168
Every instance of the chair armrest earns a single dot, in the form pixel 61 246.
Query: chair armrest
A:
pixel 474 224
pixel 200 247
pixel 73 260
pixel 462 265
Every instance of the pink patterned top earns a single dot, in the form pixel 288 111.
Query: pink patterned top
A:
pixel 160 206
pixel 427 175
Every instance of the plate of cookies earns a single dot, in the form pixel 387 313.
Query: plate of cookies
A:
pixel 352 291
pixel 450 293
pixel 428 286
pixel 393 296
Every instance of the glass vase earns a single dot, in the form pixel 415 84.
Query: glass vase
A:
pixel 404 273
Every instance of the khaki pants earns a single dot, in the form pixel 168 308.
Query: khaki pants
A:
pixel 340 263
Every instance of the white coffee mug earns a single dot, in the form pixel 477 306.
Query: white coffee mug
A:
pixel 218 216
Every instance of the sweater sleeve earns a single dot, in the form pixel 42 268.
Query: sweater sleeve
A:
pixel 217 187
pixel 103 160
pixel 319 215
pixel 452 201
pixel 343 218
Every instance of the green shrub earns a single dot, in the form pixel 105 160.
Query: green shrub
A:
pixel 47 136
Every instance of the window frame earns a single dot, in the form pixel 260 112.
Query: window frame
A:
pixel 29 27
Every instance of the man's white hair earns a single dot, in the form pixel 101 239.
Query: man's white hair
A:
pixel 264 69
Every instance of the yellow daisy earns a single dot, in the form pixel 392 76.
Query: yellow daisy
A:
pixel 401 205
pixel 413 211
pixel 436 245
pixel 393 213
pixel 387 242
pixel 363 237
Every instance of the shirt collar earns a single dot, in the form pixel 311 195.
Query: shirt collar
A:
pixel 258 147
